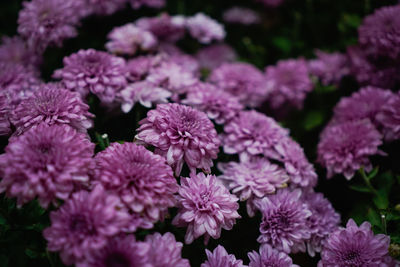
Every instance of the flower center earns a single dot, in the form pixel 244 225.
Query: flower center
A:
pixel 79 223
pixel 352 258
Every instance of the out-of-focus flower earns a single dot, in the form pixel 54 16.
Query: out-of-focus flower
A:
pixel 271 3
pixel 220 258
pixel 389 118
pixel 84 224
pixel 213 56
pixel 241 15
pixel 93 71
pixel 330 68
pixel 103 7
pixel 47 162
pixel 15 50
pixel 205 29
pixel 136 4
pixel 52 104
pixel 128 39
pixel 139 67
pixel 242 80
pixel 219 106
pixel 288 83
pixel 205 206
pixel 345 148
pixel 284 221
pixel 165 251
pixel 15 79
pixel 181 134
pixel 143 180
pixel 355 246
pixel 270 257
pixel 5 127
pixel 187 62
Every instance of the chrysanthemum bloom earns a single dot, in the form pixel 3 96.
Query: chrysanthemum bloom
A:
pixel 164 27
pixel 136 4
pixel 284 221
pixel 323 220
pixel 181 134
pixel 84 223
pixel 15 50
pixel 187 62
pixel 205 206
pixel 139 67
pixel 165 251
pixel 47 22
pixel 219 106
pixel 355 246
pixel 272 3
pixel 121 250
pixel 379 34
pixel 289 83
pixel 345 148
pixel 143 180
pixel 389 118
pixel 143 92
pixel 5 127
pixel 205 29
pixel 252 133
pixel 52 104
pixel 93 71
pixel 330 68
pixel 241 15
pixel 128 39
pixel 367 103
pixel 213 56
pixel 241 80
pixel 269 257
pixel 104 7
pixel 16 79
pixel 220 258
pixel 47 162
pixel 300 170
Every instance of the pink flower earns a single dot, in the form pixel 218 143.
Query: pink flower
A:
pixel 220 258
pixel 205 29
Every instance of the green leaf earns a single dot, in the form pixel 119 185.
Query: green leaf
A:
pixel 373 217
pixel 313 119
pixel 373 173
pixel 360 188
pixel 381 201
pixel 31 254
pixel 282 43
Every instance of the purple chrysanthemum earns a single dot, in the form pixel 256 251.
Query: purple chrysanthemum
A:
pixel 205 206
pixel 181 134
pixel 355 246
pixel 47 162
pixel 330 68
pixel 143 92
pixel 345 148
pixel 128 39
pixel 15 50
pixel 5 126
pixel 252 133
pixel 284 221
pixel 187 62
pixel 288 82
pixel 119 251
pixel 242 80
pixel 271 3
pixel 93 71
pixel 219 106
pixel 45 22
pixel 143 180
pixel 205 29
pixel 269 257
pixel 165 251
pixel 52 104
pixel 220 258
pixel 84 223
pixel 16 79
pixel 213 56
pixel 389 118
pixel 379 34
pixel 241 15
pixel 136 4
pixel 323 220
pixel 138 68
pixel 103 7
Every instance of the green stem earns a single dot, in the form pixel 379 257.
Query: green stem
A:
pixel 367 182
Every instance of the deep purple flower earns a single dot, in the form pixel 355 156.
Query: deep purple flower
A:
pixel 16 79
pixel 5 127
pixel 181 134
pixel 52 104
pixel 219 106
pixel 213 56
pixel 15 50
pixel 128 39
pixel 345 148
pixel 47 162
pixel 143 180
pixel 165 251
pixel 205 206
pixel 187 62
pixel 205 29
pixel 355 246
pixel 323 220
pixel 252 133
pixel 379 34
pixel 241 15
pixel 284 221
pixel 270 257
pixel 136 4
pixel 389 118
pixel 84 223
pixel 103 7
pixel 271 3
pixel 220 258
pixel 93 71
pixel 242 80
pixel 288 82
pixel 138 68
pixel 330 68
